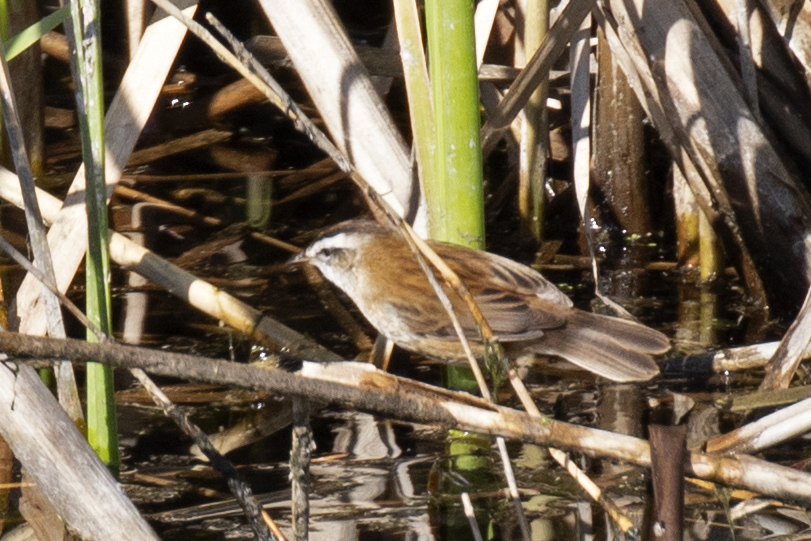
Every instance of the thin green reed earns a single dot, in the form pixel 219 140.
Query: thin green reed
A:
pixel 85 32
pixel 14 45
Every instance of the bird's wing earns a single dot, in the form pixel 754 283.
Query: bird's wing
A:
pixel 512 318
pixel 504 291
pixel 497 272
pixel 509 315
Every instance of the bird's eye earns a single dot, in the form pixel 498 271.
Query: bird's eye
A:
pixel 328 253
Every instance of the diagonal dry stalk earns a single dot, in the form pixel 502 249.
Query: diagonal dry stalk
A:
pixel 535 71
pixel 198 293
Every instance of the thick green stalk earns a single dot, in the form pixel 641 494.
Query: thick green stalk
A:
pixel 86 33
pixel 455 199
pixel 455 196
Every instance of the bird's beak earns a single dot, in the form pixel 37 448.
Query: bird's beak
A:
pixel 298 259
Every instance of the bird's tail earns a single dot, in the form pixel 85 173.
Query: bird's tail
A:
pixel 614 348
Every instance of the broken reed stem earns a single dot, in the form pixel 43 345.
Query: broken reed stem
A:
pixel 768 431
pixel 790 352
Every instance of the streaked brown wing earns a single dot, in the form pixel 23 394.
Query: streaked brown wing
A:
pixel 511 317
pixel 503 289
pixel 496 272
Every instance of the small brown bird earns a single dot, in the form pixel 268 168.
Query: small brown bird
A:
pixel 528 314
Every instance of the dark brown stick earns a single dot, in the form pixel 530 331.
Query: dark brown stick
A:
pixel 667 472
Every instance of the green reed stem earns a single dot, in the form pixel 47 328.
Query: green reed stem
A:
pixel 455 196
pixel 85 31
pixel 455 199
